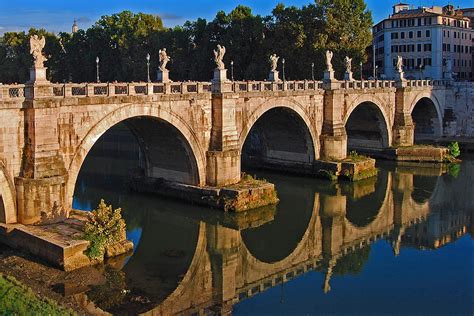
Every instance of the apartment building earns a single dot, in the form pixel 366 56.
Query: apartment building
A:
pixel 435 43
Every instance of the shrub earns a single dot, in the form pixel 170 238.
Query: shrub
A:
pixel 105 227
pixel 454 150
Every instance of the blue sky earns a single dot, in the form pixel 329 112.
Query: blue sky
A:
pixel 58 15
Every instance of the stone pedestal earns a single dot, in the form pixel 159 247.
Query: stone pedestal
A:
pixel 329 76
pixel 220 83
pixel 220 75
pixel 163 75
pixel 38 75
pixel 348 76
pixel 273 76
pixel 400 79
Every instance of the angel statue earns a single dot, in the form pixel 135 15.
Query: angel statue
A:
pixel 274 61
pixel 163 59
pixel 329 55
pixel 36 48
pixel 400 63
pixel 219 57
pixel 348 63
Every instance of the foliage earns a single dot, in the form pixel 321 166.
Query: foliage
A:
pixel 327 174
pixel 355 156
pixel 300 35
pixel 454 150
pixel 105 227
pixel 17 299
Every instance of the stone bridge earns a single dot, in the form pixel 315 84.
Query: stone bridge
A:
pixel 199 133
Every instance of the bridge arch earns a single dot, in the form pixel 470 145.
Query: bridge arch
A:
pixel 361 134
pixel 285 116
pixel 8 210
pixel 427 116
pixel 133 111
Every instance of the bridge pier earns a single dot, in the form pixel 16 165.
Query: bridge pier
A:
pixel 403 127
pixel 42 181
pixel 223 157
pixel 333 136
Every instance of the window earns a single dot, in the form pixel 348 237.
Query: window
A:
pixel 419 21
pixel 410 34
pixel 402 35
pixel 419 48
pixel 427 61
pixel 418 34
pixel 428 33
pixel 394 35
pixel 427 47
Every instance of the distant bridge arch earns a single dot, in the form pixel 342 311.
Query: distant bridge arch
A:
pixel 363 107
pixel 293 108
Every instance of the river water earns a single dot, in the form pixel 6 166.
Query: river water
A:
pixel 400 243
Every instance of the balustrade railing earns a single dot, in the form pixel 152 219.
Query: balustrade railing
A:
pixel 17 91
pixel 266 86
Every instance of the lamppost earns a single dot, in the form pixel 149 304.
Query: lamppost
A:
pixel 148 67
pixel 232 70
pixel 283 62
pixel 361 78
pixel 421 71
pixel 312 71
pixel 376 69
pixel 97 68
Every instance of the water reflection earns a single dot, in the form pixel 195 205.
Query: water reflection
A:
pixel 194 260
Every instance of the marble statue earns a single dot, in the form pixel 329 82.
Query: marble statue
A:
pixel 219 57
pixel 163 59
pixel 329 55
pixel 400 63
pixel 348 63
pixel 36 49
pixel 274 61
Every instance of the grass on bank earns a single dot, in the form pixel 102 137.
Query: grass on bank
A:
pixel 18 299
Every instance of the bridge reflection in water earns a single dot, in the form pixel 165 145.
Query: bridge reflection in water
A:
pixel 193 260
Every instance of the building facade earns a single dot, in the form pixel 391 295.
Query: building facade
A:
pixel 435 43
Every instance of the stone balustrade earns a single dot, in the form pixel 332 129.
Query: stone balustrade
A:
pixel 110 89
pixel 17 91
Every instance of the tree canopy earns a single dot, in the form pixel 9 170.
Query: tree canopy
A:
pixel 300 35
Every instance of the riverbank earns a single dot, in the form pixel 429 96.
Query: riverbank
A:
pixel 18 299
pixel 31 284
